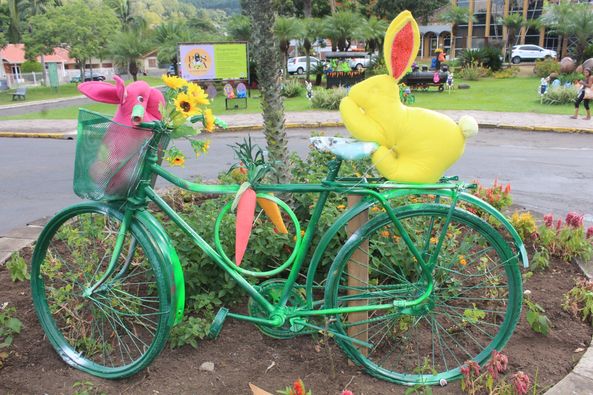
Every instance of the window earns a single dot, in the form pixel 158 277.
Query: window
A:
pixel 152 63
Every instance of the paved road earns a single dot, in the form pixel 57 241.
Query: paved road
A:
pixel 18 110
pixel 548 172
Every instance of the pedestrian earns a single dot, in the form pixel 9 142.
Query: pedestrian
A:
pixel 441 59
pixel 584 94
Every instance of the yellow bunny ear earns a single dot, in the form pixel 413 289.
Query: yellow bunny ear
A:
pixel 402 41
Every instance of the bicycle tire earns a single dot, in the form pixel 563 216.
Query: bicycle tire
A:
pixel 121 327
pixel 473 309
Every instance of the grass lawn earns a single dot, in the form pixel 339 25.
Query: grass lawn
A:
pixel 64 90
pixel 507 95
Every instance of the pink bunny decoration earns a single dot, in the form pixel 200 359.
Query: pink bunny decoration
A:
pixel 117 159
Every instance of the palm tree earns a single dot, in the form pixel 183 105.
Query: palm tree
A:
pixel 341 27
pixel 286 29
pixel 267 60
pixel 239 27
pixel 581 27
pixel 373 32
pixel 128 47
pixel 513 23
pixel 456 16
pixel 557 19
pixel 310 31
pixel 166 36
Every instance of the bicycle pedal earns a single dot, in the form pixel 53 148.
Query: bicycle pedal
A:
pixel 216 325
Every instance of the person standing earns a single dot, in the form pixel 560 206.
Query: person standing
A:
pixel 587 82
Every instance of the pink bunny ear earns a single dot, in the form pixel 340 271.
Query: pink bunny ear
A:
pixel 153 103
pixel 402 41
pixel 100 91
pixel 121 88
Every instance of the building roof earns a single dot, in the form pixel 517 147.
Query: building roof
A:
pixel 15 54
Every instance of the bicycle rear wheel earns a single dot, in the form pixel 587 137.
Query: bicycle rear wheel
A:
pixel 473 309
pixel 118 329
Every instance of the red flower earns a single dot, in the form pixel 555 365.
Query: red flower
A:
pixel 521 382
pixel 298 387
pixel 590 232
pixel 574 220
pixel 548 220
pixel 507 189
pixel 558 224
pixel 347 392
pixel 498 364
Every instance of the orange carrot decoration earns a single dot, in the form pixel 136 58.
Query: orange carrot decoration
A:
pixel 273 212
pixel 244 223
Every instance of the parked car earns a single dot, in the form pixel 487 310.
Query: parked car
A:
pixel 171 70
pixel 521 53
pixel 299 64
pixel 88 77
pixel 360 63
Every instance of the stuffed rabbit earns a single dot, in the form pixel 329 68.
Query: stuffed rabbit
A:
pixel 117 158
pixel 415 144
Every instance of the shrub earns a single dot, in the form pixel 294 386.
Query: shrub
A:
pixel 509 72
pixel 545 67
pixel 491 58
pixel 560 95
pixel 328 99
pixel 579 300
pixel 570 77
pixel 470 57
pixel 292 88
pixel 471 73
pixel 377 68
pixel 31 66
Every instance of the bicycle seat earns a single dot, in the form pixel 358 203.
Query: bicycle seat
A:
pixel 343 148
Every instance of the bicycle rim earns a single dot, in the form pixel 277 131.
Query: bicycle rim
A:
pixel 118 329
pixel 473 309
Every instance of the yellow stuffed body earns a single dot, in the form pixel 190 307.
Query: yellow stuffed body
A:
pixel 415 145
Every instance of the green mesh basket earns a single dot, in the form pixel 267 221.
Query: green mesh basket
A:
pixel 109 157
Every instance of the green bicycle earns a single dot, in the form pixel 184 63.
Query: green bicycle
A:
pixel 426 283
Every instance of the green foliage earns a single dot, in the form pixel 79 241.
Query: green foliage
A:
pixel 86 388
pixel 540 259
pixel 328 99
pixel 509 72
pixel 571 77
pixel 9 326
pixel 545 67
pixel 30 66
pixel 292 88
pixel 471 72
pixel 579 300
pixel 488 57
pixel 538 322
pixel 17 267
pixel 524 223
pixel 559 95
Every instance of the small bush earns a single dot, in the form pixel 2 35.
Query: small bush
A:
pixel 472 73
pixel 491 58
pixel 544 68
pixel 292 88
pixel 470 57
pixel 509 72
pixel 377 68
pixel 31 66
pixel 328 99
pixel 560 95
pixel 570 77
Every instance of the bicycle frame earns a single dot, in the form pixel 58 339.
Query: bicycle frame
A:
pixel 372 194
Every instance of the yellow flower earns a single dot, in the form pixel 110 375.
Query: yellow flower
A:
pixel 174 82
pixel 177 161
pixel 209 120
pixel 385 233
pixel 340 207
pixel 185 105
pixel 198 94
pixel 462 260
pixel 433 240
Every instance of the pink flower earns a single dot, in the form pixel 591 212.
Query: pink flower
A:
pixel 574 220
pixel 548 220
pixel 498 364
pixel 507 189
pixel 347 392
pixel 521 382
pixel 558 224
pixel 590 232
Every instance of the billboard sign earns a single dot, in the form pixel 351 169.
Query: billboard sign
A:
pixel 213 61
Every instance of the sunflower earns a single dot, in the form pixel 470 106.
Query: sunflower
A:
pixel 208 120
pixel 197 94
pixel 185 105
pixel 174 82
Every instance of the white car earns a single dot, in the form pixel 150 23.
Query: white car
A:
pixel 362 62
pixel 299 64
pixel 521 53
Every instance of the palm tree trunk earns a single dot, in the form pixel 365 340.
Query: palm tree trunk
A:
pixel 307 7
pixel 307 47
pixel 266 56
pixel 453 34
pixel 133 69
pixel 564 45
pixel 43 70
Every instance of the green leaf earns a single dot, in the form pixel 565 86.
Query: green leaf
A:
pixel 182 131
pixel 15 325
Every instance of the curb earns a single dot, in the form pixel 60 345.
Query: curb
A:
pixel 63 136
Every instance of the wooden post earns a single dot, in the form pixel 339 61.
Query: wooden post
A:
pixel 358 275
pixel 488 19
pixel 470 25
pixel 505 30
pixel 542 36
pixel 523 28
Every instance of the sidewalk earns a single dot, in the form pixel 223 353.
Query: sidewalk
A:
pixel 318 119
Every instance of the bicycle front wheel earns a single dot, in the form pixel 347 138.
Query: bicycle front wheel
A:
pixel 473 309
pixel 121 326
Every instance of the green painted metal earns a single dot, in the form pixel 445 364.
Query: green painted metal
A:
pixel 216 325
pixel 68 352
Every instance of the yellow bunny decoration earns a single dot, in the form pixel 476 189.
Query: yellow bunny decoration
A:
pixel 416 145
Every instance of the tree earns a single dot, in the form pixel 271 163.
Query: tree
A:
pixel 266 55
pixel 373 32
pixel 13 33
pixel 456 16
pixel 239 27
pixel 388 9
pixel 581 27
pixel 341 27
pixel 557 19
pixel 513 22
pixel 167 36
pixel 311 29
pixel 286 29
pixel 84 27
pixel 127 47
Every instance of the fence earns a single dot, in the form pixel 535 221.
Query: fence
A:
pixel 36 78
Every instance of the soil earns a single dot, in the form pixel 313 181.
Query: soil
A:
pixel 242 355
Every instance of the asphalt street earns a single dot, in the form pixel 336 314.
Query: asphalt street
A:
pixel 548 172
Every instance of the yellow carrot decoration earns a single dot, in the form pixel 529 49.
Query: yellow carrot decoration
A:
pixel 273 212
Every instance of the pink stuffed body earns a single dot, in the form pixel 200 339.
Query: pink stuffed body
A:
pixel 121 142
